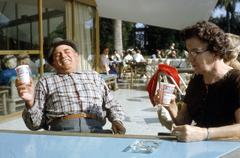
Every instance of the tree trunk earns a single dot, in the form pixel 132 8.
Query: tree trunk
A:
pixel 118 44
pixel 228 21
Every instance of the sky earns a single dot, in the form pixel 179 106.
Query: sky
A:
pixel 218 12
pixel 221 11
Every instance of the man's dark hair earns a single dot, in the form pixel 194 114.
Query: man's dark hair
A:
pixel 57 42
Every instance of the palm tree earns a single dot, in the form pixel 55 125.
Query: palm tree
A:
pixel 229 6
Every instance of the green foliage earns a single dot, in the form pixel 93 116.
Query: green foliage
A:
pixel 231 17
pixel 128 32
pixel 234 25
pixel 106 33
pixel 161 38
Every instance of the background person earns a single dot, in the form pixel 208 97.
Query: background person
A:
pixel 115 57
pixel 137 56
pixel 105 64
pixel 8 70
pixel 128 57
pixel 212 98
pixel 24 59
pixel 171 52
pixel 231 58
pixel 69 100
pixel 116 63
pixel 160 54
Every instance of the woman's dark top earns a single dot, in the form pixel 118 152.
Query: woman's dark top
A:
pixel 214 105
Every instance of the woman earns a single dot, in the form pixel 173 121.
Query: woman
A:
pixel 212 98
pixel 231 58
pixel 105 64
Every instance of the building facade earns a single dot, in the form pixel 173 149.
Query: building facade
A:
pixel 29 26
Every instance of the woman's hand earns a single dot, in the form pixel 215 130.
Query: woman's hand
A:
pixel 172 107
pixel 188 133
pixel 26 92
pixel 156 98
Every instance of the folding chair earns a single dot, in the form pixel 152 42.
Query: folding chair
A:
pixel 165 73
pixel 168 74
pixel 163 77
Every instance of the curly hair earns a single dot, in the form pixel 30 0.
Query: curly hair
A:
pixel 210 33
pixel 233 47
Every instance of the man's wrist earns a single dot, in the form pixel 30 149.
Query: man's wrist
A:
pixel 118 127
pixel 28 104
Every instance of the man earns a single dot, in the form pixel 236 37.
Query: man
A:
pixel 137 56
pixel 69 100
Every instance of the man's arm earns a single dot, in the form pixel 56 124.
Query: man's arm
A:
pixel 26 92
pixel 34 100
pixel 115 112
pixel 33 118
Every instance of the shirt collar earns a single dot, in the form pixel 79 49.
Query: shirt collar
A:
pixel 71 73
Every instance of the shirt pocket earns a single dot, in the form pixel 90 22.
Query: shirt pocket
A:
pixel 59 100
pixel 93 103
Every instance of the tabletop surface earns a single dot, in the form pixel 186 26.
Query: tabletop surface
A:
pixel 30 145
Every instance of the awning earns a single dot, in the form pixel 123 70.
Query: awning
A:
pixel 175 14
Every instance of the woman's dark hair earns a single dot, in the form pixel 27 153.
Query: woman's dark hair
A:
pixel 210 33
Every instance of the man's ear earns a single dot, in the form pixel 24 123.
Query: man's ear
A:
pixel 53 64
pixel 77 55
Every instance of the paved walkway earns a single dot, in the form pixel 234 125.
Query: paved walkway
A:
pixel 141 116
